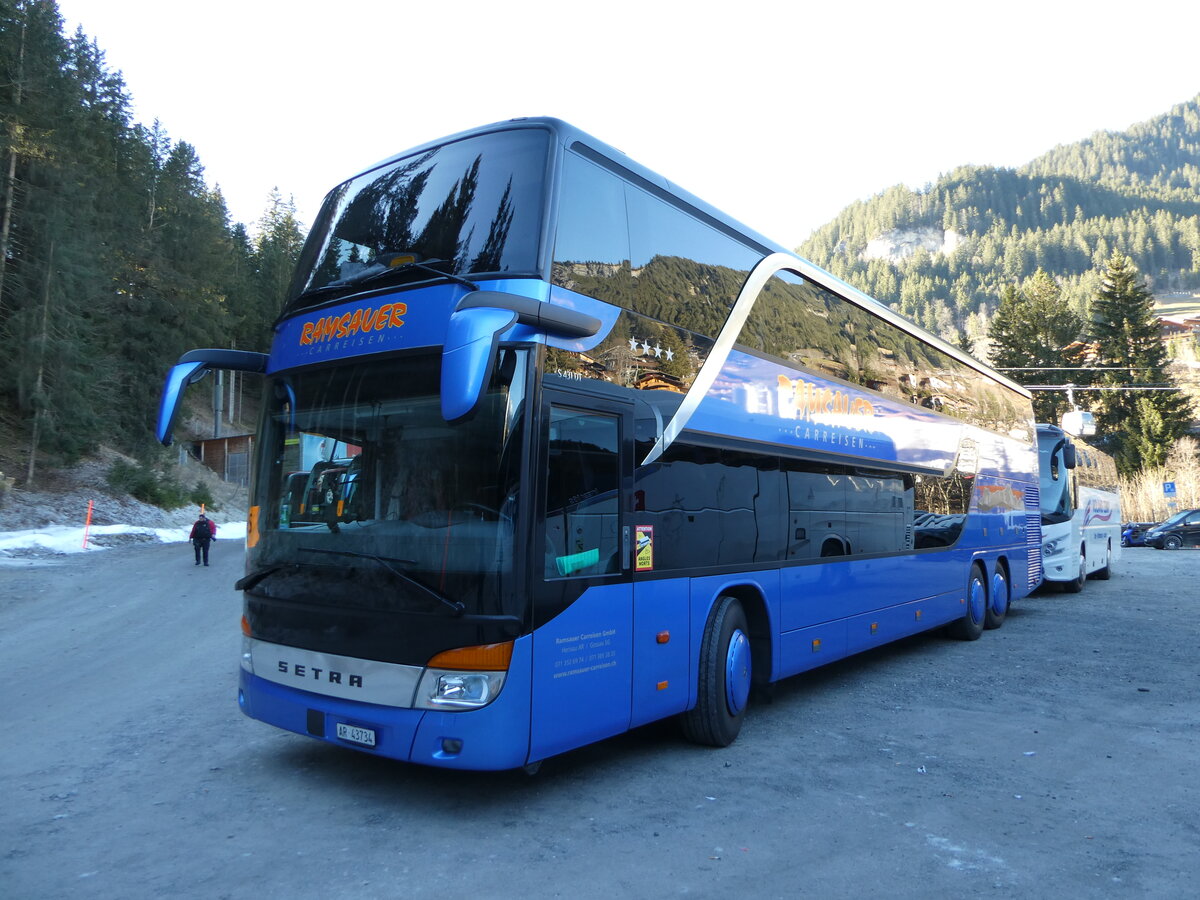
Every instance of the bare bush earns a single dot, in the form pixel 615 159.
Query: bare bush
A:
pixel 1142 497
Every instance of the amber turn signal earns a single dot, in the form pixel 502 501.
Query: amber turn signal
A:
pixel 483 658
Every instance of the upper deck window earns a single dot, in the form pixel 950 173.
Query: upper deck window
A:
pixel 625 244
pixel 469 208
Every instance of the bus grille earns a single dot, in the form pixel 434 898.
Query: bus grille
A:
pixel 1033 534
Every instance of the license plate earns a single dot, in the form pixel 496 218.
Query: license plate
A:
pixel 356 734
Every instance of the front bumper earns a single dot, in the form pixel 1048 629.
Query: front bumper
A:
pixel 493 737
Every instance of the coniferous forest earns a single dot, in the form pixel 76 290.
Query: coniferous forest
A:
pixel 1136 192
pixel 117 253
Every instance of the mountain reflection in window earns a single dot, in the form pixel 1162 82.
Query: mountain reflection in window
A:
pixel 622 244
pixel 471 207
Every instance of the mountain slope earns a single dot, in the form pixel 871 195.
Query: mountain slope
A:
pixel 941 255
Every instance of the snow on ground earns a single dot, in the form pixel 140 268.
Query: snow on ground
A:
pixel 36 526
pixel 67 539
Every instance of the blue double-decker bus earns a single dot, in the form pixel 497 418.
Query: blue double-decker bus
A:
pixel 550 449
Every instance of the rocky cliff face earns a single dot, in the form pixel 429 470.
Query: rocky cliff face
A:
pixel 898 245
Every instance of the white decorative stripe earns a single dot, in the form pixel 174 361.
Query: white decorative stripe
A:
pixel 766 268
pixel 755 282
pixel 371 681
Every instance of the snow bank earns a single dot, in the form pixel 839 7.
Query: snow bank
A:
pixel 66 539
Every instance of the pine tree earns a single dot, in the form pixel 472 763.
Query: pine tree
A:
pixel 1145 440
pixel 115 256
pixel 50 250
pixel 1031 328
pixel 1130 352
pixel 277 249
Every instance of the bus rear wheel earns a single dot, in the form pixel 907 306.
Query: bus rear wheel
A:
pixel 724 679
pixel 970 626
pixel 1105 571
pixel 997 607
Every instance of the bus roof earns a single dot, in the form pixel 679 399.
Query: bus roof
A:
pixel 571 137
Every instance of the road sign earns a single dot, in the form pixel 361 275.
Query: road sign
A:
pixel 1169 488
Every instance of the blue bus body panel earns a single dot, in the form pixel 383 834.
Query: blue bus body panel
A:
pixel 877 628
pixel 583 671
pixel 662 682
pixel 288 708
pixel 416 317
pixel 494 737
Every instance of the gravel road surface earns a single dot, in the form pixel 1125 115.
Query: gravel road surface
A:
pixel 1056 757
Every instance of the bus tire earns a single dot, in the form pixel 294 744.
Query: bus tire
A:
pixel 998 599
pixel 970 626
pixel 1105 572
pixel 724 678
pixel 1075 585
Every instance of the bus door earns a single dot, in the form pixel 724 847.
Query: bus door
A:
pixel 581 560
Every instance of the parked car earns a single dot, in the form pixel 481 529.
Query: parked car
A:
pixel 1133 534
pixel 1181 530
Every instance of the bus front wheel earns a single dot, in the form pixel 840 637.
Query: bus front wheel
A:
pixel 724 678
pixel 1075 585
pixel 970 626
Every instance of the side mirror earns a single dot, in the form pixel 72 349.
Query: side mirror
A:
pixel 468 357
pixel 473 338
pixel 193 366
pixel 1069 458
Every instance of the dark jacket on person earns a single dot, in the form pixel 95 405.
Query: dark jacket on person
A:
pixel 203 530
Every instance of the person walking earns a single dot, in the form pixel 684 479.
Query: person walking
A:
pixel 203 533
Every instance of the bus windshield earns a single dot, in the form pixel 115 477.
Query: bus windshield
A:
pixel 1054 488
pixel 369 499
pixel 469 207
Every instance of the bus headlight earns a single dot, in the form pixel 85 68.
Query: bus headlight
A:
pixel 1053 547
pixel 464 678
pixel 457 690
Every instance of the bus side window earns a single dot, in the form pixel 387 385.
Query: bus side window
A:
pixel 582 482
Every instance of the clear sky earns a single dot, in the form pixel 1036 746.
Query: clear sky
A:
pixel 780 113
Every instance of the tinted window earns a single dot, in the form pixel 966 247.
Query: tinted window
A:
pixel 369 504
pixel 833 511
pixel 582 481
pixel 940 509
pixel 714 507
pixel 710 508
pixel 626 245
pixel 687 272
pixel 1096 469
pixel 591 251
pixel 470 207
pixel 592 232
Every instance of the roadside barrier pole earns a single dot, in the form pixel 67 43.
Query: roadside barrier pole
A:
pixel 87 525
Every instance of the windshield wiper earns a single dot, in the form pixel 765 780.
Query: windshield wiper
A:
pixel 253 578
pixel 373 274
pixel 323 289
pixel 386 562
